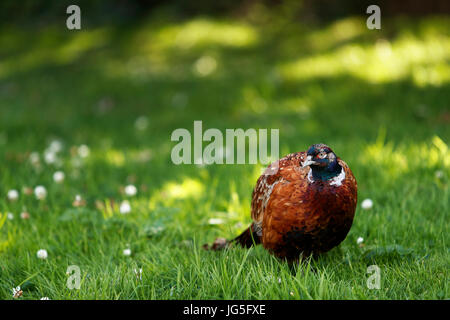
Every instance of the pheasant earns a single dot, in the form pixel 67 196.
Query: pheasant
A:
pixel 302 205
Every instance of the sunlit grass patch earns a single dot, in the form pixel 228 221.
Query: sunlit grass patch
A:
pixel 207 32
pixel 401 160
pixel 155 49
pixel 424 59
pixel 52 47
pixel 186 189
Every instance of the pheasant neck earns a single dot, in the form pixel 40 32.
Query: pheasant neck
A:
pixel 327 173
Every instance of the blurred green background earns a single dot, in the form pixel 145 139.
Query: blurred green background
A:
pixel 138 70
pixel 310 68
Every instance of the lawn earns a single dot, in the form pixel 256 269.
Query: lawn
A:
pixel 100 105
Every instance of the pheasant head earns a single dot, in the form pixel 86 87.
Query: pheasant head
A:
pixel 323 162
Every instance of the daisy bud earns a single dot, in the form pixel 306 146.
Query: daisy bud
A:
pixel 130 190
pixel 42 254
pixel 367 204
pixel 25 215
pixel 27 191
pixel 13 195
pixel 125 207
pixel 58 176
pixel 40 192
pixel 79 201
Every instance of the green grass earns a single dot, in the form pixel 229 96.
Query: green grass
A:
pixel 380 99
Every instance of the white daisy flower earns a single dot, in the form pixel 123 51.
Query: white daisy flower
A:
pixel 367 204
pixel 13 195
pixel 127 252
pixel 49 157
pixel 42 254
pixel 79 201
pixel 17 293
pixel 55 146
pixel 83 151
pixel 125 207
pixel 360 240
pixel 45 298
pixel 130 190
pixel 10 216
pixel 58 176
pixel 138 273
pixel 439 174
pixel 40 192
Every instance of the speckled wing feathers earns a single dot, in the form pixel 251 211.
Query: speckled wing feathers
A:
pixel 280 171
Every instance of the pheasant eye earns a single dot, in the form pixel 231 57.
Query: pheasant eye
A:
pixel 322 155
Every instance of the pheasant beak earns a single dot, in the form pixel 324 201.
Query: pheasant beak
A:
pixel 308 161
